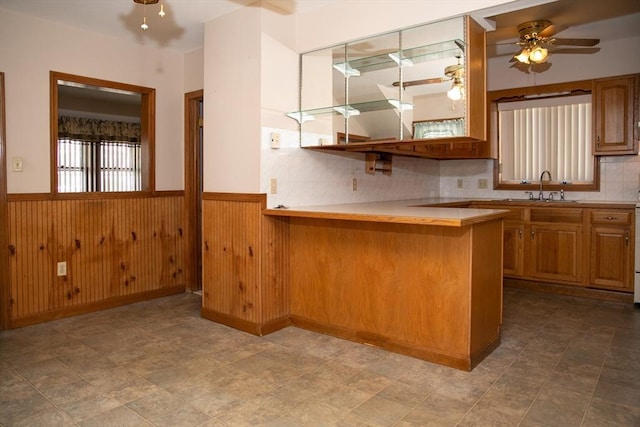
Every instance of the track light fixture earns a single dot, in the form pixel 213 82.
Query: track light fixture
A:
pixel 144 4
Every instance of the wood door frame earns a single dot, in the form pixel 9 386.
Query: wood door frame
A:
pixel 5 293
pixel 192 180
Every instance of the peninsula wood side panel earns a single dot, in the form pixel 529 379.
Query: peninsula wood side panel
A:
pixel 245 263
pixel 116 250
pixel 427 291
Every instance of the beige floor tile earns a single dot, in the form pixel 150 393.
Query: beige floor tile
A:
pixel 605 413
pixel 116 417
pixel 562 361
pixel 561 406
pixel 382 411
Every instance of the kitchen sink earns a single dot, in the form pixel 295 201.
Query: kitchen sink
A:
pixel 554 202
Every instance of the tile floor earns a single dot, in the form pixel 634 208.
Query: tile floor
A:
pixel 563 362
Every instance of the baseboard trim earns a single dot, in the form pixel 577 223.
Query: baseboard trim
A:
pixel 568 290
pixel 253 328
pixel 95 306
pixel 462 362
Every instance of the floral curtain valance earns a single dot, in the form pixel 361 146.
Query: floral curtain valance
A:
pixel 97 130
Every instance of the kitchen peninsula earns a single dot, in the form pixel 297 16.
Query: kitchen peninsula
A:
pixel 405 276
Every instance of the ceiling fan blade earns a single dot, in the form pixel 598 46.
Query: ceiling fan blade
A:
pixel 421 82
pixel 579 50
pixel 551 29
pixel 574 42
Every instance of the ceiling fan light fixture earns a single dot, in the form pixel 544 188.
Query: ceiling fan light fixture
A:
pixel 144 4
pixel 457 90
pixel 538 55
pixel 523 56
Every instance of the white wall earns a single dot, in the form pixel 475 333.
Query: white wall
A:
pixel 232 76
pixel 194 70
pixel 30 48
pixel 303 176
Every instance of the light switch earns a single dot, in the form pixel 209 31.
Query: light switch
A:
pixel 16 164
pixel 275 140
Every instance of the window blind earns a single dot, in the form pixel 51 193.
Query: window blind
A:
pixel 546 134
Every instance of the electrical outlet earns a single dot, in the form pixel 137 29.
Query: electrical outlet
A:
pixel 483 184
pixel 354 184
pixel 62 268
pixel 460 183
pixel 274 186
pixel 275 140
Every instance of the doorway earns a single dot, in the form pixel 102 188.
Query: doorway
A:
pixel 4 221
pixel 194 131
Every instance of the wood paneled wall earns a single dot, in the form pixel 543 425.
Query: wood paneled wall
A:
pixel 117 251
pixel 245 263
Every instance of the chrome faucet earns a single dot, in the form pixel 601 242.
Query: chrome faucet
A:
pixel 541 194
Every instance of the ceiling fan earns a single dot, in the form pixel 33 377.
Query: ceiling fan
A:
pixel 453 73
pixel 536 42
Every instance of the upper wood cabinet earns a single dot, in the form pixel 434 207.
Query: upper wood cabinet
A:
pixel 368 95
pixel 615 111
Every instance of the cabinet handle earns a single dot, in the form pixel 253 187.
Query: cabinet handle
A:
pixel 611 218
pixel 626 238
pixel 533 233
pixel 520 232
pixel 598 140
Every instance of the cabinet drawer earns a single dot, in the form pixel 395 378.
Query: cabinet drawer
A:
pixel 611 217
pixel 515 214
pixel 572 216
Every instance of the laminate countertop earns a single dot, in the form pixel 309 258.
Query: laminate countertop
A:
pixel 443 211
pixel 429 211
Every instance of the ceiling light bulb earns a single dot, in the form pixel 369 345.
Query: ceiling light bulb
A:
pixel 523 56
pixel 538 55
pixel 144 25
pixel 161 13
pixel 456 92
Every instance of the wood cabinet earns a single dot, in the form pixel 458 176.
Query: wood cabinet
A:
pixel 615 115
pixel 386 121
pixel 556 252
pixel 513 243
pixel 556 244
pixel 577 246
pixel 611 255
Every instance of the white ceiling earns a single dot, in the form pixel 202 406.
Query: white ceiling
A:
pixel 181 29
pixel 606 20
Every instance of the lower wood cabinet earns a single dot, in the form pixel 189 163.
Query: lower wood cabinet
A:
pixel 556 244
pixel 580 246
pixel 612 254
pixel 556 252
pixel 513 259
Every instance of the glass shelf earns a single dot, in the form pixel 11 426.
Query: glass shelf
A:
pixel 446 49
pixel 352 109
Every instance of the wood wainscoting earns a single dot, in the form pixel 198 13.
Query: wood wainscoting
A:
pixel 117 251
pixel 245 259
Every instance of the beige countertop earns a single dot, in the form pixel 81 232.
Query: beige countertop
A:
pixel 430 211
pixel 440 211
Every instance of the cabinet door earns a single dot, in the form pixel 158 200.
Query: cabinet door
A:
pixel 512 262
pixel 611 258
pixel 613 109
pixel 556 252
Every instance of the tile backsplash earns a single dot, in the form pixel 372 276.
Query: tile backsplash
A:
pixel 309 177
